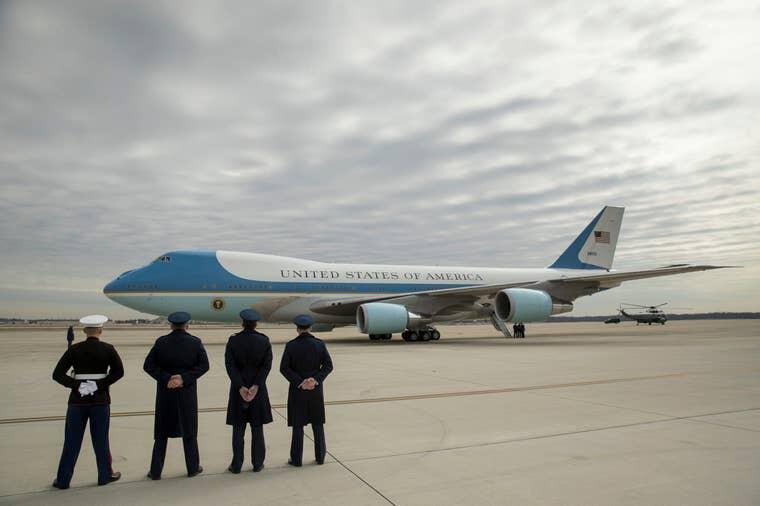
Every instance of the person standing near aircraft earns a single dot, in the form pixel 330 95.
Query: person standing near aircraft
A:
pixel 70 336
pixel 248 359
pixel 176 361
pixel 305 364
pixel 96 366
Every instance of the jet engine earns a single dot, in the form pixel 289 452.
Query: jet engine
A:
pixel 526 305
pixel 384 318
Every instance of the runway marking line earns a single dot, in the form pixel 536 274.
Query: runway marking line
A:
pixel 463 393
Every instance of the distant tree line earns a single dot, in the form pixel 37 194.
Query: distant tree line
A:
pixel 161 319
pixel 689 316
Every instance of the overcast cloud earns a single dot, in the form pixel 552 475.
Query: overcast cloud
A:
pixel 458 133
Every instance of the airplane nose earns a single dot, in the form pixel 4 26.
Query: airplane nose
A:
pixel 110 287
pixel 117 284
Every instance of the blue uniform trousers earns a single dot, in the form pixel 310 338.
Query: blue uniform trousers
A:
pixel 99 417
pixel 296 443
pixel 258 447
pixel 192 457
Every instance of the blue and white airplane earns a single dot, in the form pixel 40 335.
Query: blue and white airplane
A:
pixel 380 299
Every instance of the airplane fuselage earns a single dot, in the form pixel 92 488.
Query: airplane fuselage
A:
pixel 217 285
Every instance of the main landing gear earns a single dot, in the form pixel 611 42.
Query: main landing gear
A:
pixel 427 334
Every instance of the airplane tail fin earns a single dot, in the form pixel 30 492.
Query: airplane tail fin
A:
pixel 594 248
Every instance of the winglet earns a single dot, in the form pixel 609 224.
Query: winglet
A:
pixel 594 248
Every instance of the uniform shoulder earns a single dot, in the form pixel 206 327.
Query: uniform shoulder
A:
pixel 261 334
pixel 161 339
pixel 194 338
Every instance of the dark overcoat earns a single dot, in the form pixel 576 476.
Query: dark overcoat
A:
pixel 305 357
pixel 248 358
pixel 177 408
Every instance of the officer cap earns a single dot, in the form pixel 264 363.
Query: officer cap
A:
pixel 250 315
pixel 179 317
pixel 93 320
pixel 303 320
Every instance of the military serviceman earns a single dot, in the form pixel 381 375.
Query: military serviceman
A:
pixel 306 363
pixel 96 366
pixel 176 361
pixel 248 358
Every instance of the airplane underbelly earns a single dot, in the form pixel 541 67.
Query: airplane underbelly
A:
pixel 225 307
pixel 207 307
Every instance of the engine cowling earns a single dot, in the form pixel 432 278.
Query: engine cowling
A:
pixel 383 318
pixel 526 305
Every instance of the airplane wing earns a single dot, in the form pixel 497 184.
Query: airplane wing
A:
pixel 449 300
pixel 619 277
pixel 466 295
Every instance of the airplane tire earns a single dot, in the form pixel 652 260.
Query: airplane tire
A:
pixel 435 335
pixel 387 337
pixel 375 337
pixel 414 336
pixel 425 335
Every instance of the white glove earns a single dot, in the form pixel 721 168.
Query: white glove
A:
pixel 88 387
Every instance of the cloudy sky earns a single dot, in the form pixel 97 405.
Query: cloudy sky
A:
pixel 457 133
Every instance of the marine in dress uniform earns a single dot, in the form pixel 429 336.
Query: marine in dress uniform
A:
pixel 96 366
pixel 305 364
pixel 176 361
pixel 248 359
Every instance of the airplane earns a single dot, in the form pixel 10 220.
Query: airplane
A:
pixel 381 300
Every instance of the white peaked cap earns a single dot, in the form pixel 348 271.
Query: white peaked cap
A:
pixel 93 320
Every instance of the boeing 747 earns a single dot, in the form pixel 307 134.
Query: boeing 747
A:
pixel 380 299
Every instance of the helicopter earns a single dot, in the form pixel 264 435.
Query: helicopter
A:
pixel 644 314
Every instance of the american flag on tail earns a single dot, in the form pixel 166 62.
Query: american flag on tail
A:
pixel 601 237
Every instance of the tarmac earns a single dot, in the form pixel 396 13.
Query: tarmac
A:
pixel 576 413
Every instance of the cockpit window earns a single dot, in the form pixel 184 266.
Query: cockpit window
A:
pixel 124 273
pixel 164 258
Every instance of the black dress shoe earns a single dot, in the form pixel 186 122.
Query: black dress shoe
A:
pixel 114 477
pixel 154 478
pixel 233 469
pixel 294 464
pixel 258 469
pixel 196 472
pixel 320 462
pixel 61 487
